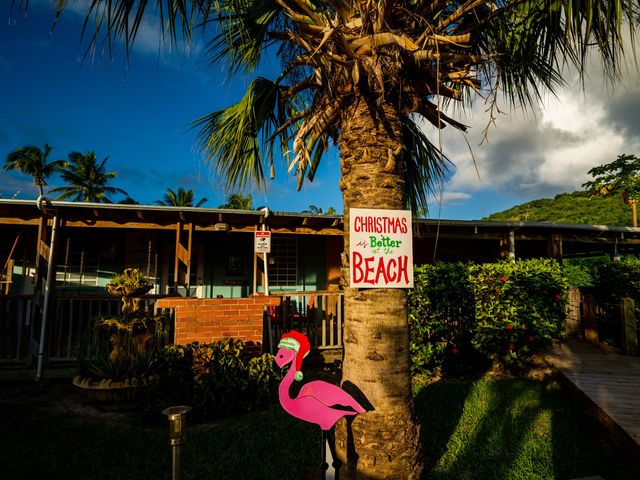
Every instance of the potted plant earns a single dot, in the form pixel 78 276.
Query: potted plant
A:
pixel 117 355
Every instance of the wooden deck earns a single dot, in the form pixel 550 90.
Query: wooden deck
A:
pixel 608 383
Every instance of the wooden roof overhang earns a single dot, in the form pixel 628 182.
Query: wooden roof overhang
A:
pixel 75 214
pixel 578 239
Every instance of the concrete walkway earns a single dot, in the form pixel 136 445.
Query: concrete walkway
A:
pixel 608 383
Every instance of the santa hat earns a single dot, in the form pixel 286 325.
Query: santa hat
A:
pixel 299 343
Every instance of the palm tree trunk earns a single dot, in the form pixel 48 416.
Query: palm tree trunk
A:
pixel 382 443
pixel 634 211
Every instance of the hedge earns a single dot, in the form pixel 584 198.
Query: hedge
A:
pixel 462 315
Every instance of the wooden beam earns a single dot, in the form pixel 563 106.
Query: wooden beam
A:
pixel 183 255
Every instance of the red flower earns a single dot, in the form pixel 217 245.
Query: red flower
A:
pixel 532 339
pixel 509 327
pixel 504 279
pixel 558 297
pixel 455 351
pixel 511 346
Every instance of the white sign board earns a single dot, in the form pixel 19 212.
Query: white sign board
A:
pixel 262 242
pixel 381 248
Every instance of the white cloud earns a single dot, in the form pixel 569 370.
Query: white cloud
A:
pixel 550 150
pixel 448 198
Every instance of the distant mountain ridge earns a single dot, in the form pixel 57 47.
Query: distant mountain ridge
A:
pixel 575 207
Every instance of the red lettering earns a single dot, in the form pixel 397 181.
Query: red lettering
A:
pixel 391 274
pixel 403 264
pixel 356 261
pixel 381 270
pixel 368 269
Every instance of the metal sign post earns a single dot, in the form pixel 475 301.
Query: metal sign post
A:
pixel 262 244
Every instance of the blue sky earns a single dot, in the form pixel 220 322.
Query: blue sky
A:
pixel 138 114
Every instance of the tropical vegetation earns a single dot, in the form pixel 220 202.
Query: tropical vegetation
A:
pixel 622 177
pixel 238 201
pixel 314 210
pixel 575 207
pixel 180 198
pixel 87 179
pixel 33 161
pixel 216 379
pixel 369 77
pixel 465 315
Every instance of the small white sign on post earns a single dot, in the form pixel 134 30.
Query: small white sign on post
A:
pixel 262 242
pixel 381 248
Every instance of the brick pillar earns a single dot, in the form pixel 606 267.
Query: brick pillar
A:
pixel 211 319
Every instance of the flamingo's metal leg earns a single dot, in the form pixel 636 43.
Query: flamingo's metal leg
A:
pixel 336 464
pixel 324 465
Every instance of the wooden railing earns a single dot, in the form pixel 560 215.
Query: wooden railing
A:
pixel 20 322
pixel 319 315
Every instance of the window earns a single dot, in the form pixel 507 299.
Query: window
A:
pixel 284 253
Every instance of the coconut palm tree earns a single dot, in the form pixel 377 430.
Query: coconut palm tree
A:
pixel 87 179
pixel 180 198
pixel 370 77
pixel 313 210
pixel 238 201
pixel 32 161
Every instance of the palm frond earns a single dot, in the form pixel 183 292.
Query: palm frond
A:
pixel 426 167
pixel 244 25
pixel 230 138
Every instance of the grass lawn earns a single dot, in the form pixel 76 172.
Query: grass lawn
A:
pixel 506 429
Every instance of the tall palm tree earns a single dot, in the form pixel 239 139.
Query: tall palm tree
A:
pixel 314 210
pixel 87 179
pixel 180 198
pixel 32 161
pixel 367 76
pixel 238 201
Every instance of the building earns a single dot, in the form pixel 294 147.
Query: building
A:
pixel 203 261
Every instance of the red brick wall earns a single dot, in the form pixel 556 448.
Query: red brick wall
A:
pixel 211 319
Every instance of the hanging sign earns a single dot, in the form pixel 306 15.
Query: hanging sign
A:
pixel 381 248
pixel 262 242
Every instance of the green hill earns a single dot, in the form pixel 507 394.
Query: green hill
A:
pixel 574 207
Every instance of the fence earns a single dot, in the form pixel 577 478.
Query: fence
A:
pixel 319 315
pixel 69 318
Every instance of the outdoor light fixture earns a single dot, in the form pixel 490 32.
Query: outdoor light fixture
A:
pixel 272 260
pixel 221 227
pixel 177 417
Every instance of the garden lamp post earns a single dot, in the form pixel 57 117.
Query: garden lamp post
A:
pixel 177 417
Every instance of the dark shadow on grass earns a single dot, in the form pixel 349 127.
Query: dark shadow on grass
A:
pixel 488 438
pixel 438 408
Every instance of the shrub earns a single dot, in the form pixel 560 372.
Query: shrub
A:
pixel 584 272
pixel 215 379
pixel 440 312
pixel 461 315
pixel 518 307
pixel 619 279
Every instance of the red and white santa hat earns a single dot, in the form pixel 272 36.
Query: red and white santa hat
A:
pixel 299 343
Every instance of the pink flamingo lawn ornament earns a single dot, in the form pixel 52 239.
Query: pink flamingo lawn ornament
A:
pixel 318 402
